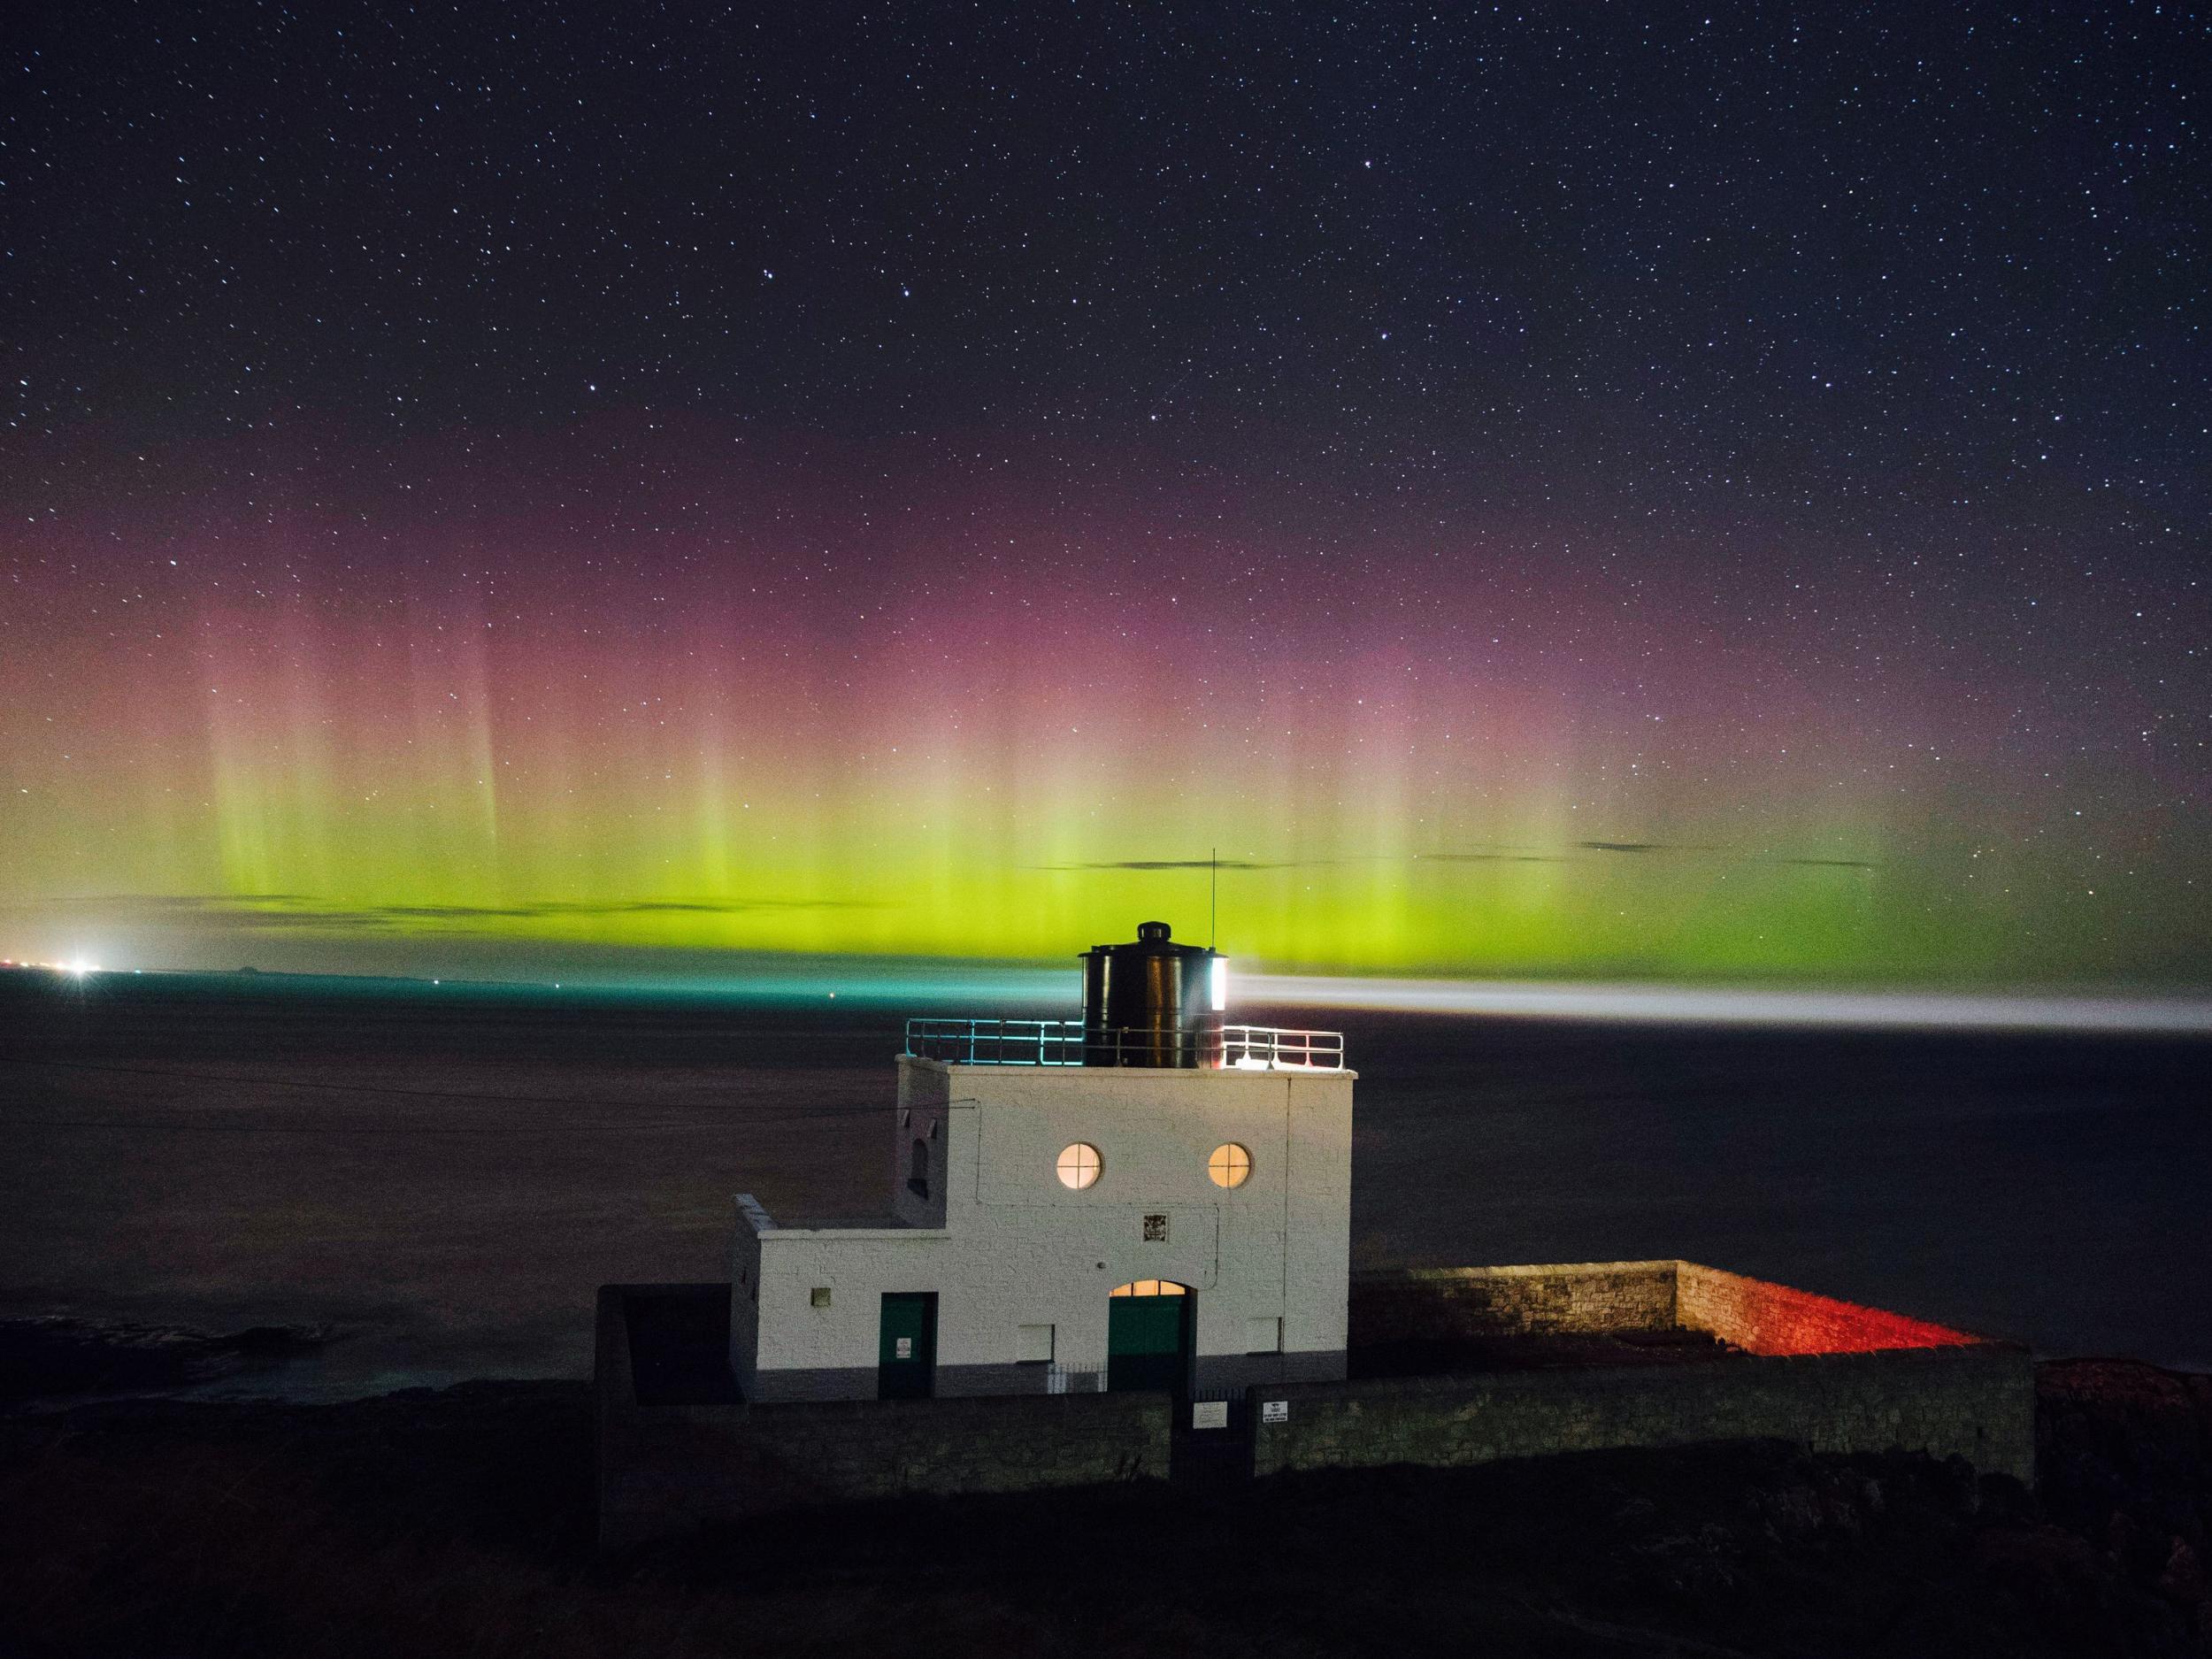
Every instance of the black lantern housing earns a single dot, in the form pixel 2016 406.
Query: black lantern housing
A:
pixel 1151 1003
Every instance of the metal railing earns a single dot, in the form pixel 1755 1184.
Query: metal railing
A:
pixel 1066 1042
pixel 1273 1047
pixel 997 1041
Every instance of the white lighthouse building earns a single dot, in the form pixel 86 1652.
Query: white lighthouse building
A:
pixel 1147 1199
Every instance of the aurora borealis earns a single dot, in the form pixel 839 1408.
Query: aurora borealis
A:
pixel 1584 495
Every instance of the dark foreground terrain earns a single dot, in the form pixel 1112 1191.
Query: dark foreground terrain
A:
pixel 459 1522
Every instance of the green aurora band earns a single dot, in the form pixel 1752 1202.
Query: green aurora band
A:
pixel 342 736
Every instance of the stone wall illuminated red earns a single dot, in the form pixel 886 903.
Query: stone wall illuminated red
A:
pixel 1760 1318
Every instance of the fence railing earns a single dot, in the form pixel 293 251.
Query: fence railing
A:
pixel 1067 1042
pixel 997 1041
pixel 1274 1047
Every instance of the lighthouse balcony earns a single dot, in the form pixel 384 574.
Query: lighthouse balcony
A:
pixel 1069 1042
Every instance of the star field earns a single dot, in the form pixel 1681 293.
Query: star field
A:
pixel 1562 489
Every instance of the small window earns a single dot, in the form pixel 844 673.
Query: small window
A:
pixel 1080 1166
pixel 1230 1165
pixel 917 1176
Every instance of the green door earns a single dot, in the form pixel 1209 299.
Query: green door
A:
pixel 1146 1341
pixel 906 1359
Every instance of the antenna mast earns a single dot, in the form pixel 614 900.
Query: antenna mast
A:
pixel 1213 898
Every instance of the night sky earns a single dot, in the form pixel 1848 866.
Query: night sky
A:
pixel 1601 490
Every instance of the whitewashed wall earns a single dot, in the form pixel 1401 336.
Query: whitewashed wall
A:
pixel 1004 1245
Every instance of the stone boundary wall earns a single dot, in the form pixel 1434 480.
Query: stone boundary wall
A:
pixel 1815 1370
pixel 1430 1304
pixel 1977 1402
pixel 1447 1303
pixel 665 1469
pixel 1886 1381
pixel 1762 1317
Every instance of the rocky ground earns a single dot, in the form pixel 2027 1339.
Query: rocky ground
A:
pixel 59 1358
pixel 460 1521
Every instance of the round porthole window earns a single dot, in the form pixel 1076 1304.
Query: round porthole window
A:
pixel 1230 1165
pixel 1080 1165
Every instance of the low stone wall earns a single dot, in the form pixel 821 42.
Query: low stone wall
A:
pixel 1977 1402
pixel 676 1448
pixel 1761 1317
pixel 666 1467
pixel 1430 1304
pixel 1823 1372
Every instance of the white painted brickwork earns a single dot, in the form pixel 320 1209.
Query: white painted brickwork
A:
pixel 1005 1245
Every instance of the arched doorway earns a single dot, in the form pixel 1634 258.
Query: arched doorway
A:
pixel 1151 1332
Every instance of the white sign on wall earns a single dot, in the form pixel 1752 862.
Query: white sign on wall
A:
pixel 1210 1414
pixel 1274 1410
pixel 906 1348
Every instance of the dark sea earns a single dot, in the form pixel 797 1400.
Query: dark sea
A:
pixel 433 1180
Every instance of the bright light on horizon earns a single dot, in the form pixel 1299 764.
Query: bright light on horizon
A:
pixel 1704 1005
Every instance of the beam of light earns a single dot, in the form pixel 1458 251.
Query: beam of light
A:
pixel 1686 1005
